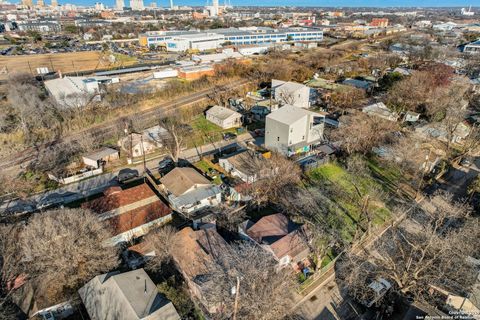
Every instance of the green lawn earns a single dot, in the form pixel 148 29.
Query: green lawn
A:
pixel 345 201
pixel 205 132
pixel 205 165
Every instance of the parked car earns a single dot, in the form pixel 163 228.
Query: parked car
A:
pixel 166 165
pixel 127 174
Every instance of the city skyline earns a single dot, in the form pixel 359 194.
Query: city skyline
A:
pixel 302 3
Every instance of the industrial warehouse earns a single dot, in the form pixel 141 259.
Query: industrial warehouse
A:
pixel 214 38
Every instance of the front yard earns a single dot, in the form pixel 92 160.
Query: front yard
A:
pixel 204 132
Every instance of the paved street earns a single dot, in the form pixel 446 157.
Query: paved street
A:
pixel 96 184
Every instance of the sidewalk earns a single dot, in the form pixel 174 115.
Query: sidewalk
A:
pixel 96 184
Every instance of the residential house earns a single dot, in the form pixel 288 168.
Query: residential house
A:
pixel 34 305
pixel 359 84
pixel 262 108
pixel 188 191
pixel 130 213
pixel 411 116
pixel 224 117
pixel 247 165
pixel 403 71
pixel 280 236
pixel 101 157
pixel 439 132
pixel 380 110
pixel 473 47
pixel 292 93
pixel 125 296
pixel 73 92
pixel 196 252
pixel 447 26
pixel 148 141
pixel 291 130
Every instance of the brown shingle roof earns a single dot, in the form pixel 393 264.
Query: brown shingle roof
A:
pixel 195 251
pixel 116 198
pixel 268 227
pixel 179 180
pixel 137 217
pixel 280 234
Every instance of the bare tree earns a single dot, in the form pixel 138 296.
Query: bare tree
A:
pixel 261 290
pixel 365 193
pixel 32 112
pixel 360 132
pixel 349 98
pixel 418 253
pixel 10 269
pixel 161 240
pixel 62 249
pixel 275 174
pixel 175 135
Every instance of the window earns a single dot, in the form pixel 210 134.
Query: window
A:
pixel 303 137
pixel 291 130
pixel 278 138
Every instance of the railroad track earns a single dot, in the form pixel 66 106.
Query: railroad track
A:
pixel 109 128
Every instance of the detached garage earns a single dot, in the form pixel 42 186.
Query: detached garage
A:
pixel 224 117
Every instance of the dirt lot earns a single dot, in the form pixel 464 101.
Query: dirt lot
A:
pixel 65 62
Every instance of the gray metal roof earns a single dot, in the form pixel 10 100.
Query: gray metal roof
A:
pixel 126 296
pixel 120 71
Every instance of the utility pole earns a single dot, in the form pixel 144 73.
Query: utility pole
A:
pixel 424 170
pixel 130 142
pixel 235 308
pixel 143 153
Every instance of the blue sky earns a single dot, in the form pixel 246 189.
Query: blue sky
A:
pixel 317 3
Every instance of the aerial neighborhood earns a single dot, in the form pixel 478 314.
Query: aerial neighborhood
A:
pixel 251 162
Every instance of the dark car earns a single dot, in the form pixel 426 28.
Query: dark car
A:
pixel 229 136
pixel 127 174
pixel 166 165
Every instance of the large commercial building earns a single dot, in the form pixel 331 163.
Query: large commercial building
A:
pixel 212 39
pixel 196 42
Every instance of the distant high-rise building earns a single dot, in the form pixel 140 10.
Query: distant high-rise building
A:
pixel 171 4
pixel 27 3
pixel 99 6
pixel 40 3
pixel 54 3
pixel 153 4
pixel 119 4
pixel 136 5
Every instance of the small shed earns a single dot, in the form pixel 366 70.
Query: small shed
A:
pixel 411 116
pixel 101 157
pixel 224 117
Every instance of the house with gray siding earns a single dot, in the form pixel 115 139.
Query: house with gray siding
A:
pixel 291 130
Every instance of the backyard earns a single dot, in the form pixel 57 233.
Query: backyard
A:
pixel 205 132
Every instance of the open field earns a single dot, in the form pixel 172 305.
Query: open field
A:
pixel 65 62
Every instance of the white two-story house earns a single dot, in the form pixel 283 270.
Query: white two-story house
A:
pixel 292 93
pixel 291 130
